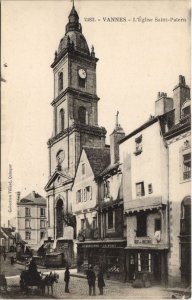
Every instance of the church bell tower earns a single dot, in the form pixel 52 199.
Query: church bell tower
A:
pixel 75 112
pixel 75 122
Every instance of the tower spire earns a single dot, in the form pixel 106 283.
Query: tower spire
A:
pixel 73 24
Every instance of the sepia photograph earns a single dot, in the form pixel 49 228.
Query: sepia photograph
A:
pixel 95 149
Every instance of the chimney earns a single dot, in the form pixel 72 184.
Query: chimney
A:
pixel 163 104
pixel 34 194
pixel 18 196
pixel 117 134
pixel 181 93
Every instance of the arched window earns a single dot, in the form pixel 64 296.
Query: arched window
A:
pixel 186 215
pixel 82 115
pixel 60 81
pixel 61 120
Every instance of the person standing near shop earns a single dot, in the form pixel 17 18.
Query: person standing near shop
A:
pixel 66 279
pixel 101 282
pixel 91 280
pixel 4 256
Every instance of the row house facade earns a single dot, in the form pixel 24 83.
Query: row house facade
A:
pixel 178 140
pixel 143 154
pixel 100 226
pixel 32 219
pixel 7 239
pixel 156 159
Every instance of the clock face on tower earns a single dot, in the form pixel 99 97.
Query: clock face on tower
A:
pixel 82 73
pixel 60 156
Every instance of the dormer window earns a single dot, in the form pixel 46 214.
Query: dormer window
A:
pixel 138 145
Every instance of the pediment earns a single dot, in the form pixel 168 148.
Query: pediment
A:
pixel 59 178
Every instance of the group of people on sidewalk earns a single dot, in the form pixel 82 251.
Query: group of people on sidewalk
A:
pixel 91 278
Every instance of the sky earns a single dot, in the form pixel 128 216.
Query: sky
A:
pixel 136 61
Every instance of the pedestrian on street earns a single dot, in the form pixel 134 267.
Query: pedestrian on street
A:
pixel 12 260
pixel 91 280
pixel 66 279
pixel 4 256
pixel 101 282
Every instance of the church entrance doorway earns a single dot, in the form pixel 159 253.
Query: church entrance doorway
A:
pixel 59 218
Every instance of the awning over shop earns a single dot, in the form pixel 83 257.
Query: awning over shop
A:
pixel 147 247
pixel 143 204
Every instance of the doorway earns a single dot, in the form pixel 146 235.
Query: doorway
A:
pixel 157 267
pixel 131 266
pixel 59 218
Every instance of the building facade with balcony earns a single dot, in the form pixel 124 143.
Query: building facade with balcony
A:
pixel 32 219
pixel 100 221
pixel 179 147
pixel 143 154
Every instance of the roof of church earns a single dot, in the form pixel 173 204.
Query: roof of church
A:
pixel 33 199
pixel 73 35
pixel 99 158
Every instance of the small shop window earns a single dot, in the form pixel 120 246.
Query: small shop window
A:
pixel 113 264
pixel 144 262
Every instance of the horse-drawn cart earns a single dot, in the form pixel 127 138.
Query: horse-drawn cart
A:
pixel 28 279
pixel 40 280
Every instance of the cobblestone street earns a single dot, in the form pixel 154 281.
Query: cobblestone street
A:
pixel 79 289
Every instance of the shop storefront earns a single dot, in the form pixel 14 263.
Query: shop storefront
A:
pixel 108 255
pixel 147 263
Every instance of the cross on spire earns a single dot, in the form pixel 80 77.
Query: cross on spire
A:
pixel 117 123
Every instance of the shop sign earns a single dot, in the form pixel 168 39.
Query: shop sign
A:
pixel 143 241
pixel 101 245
